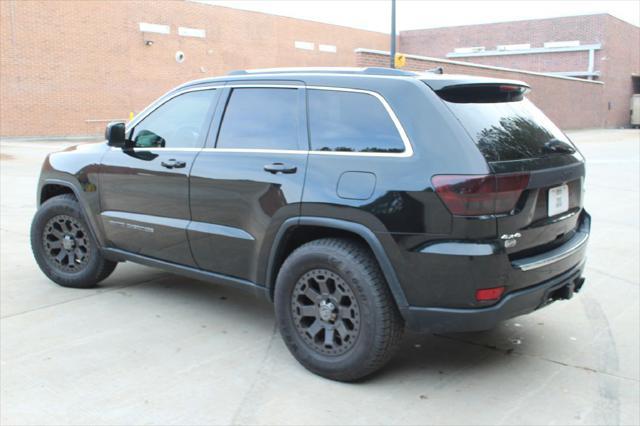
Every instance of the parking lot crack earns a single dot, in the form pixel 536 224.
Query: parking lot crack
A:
pixel 247 396
pixel 76 299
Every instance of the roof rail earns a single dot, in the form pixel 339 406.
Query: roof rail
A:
pixel 333 70
pixel 387 71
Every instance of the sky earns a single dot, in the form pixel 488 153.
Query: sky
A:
pixel 374 15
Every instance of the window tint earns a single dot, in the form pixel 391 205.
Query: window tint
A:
pixel 260 119
pixel 506 131
pixel 352 122
pixel 178 123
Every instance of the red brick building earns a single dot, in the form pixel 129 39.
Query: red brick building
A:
pixel 69 67
pixel 599 47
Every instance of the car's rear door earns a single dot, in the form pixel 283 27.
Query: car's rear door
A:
pixel 144 188
pixel 249 178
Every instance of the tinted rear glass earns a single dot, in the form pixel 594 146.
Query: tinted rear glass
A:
pixel 350 122
pixel 505 130
pixel 260 118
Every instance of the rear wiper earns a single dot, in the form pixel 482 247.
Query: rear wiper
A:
pixel 558 147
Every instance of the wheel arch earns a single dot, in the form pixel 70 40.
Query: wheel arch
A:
pixel 317 227
pixel 53 189
pixel 50 188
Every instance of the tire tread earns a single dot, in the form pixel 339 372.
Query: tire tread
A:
pixel 388 336
pixel 102 267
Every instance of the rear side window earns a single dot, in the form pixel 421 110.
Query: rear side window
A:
pixel 350 122
pixel 504 125
pixel 260 118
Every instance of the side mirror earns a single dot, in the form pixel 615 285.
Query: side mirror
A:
pixel 114 134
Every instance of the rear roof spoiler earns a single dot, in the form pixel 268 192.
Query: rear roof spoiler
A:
pixel 438 82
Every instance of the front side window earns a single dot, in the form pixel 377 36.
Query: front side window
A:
pixel 178 123
pixel 260 118
pixel 351 122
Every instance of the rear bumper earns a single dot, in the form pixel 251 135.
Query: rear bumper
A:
pixel 513 304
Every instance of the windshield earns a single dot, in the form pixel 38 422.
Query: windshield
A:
pixel 506 131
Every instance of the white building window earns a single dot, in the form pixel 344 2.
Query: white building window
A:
pixel 154 28
pixel 304 45
pixel 191 32
pixel 330 48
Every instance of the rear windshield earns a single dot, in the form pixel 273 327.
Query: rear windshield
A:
pixel 504 126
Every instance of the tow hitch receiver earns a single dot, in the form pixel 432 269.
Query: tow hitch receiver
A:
pixel 566 291
pixel 563 293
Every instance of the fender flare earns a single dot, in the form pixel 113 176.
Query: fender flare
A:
pixel 365 233
pixel 83 208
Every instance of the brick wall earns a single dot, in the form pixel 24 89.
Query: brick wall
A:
pixel 620 60
pixel 570 103
pixel 440 41
pixel 617 60
pixel 66 62
pixel 548 62
pixel 66 67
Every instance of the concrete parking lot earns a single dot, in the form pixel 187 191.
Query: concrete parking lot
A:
pixel 148 347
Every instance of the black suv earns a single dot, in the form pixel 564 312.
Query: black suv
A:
pixel 360 201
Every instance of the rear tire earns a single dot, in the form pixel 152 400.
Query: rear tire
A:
pixel 63 246
pixel 335 311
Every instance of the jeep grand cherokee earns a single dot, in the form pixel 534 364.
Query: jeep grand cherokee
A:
pixel 360 201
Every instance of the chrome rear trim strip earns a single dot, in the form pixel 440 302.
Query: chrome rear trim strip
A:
pixel 552 256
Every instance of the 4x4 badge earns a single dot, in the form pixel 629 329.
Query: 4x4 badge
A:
pixel 510 239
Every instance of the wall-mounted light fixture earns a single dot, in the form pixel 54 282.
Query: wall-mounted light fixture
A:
pixel 148 42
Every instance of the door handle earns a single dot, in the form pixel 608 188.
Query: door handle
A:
pixel 173 164
pixel 280 168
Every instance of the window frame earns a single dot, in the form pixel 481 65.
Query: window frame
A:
pixel 302 136
pixel 408 148
pixel 219 105
pixel 167 97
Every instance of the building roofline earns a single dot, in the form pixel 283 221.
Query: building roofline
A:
pixel 203 2
pixel 472 65
pixel 623 21
pixel 512 21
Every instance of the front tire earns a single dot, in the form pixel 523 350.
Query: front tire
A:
pixel 63 246
pixel 335 311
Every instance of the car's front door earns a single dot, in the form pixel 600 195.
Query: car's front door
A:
pixel 144 188
pixel 249 179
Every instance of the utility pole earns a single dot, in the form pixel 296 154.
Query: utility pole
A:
pixel 393 34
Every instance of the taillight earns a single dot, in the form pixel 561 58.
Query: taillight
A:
pixel 478 195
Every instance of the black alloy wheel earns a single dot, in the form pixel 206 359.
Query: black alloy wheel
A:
pixel 64 247
pixel 66 243
pixel 326 312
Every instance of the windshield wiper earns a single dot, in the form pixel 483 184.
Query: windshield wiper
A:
pixel 556 146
